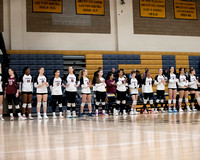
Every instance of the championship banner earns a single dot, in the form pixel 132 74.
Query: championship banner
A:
pixel 152 8
pixel 185 9
pixel 47 6
pixel 90 7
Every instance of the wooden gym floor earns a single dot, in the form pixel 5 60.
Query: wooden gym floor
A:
pixel 152 137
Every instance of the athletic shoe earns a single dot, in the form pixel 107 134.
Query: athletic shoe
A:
pixel 154 112
pixel 162 111
pixel 145 112
pixel 175 111
pixel 30 118
pixel 124 112
pixel 188 109
pixel 11 118
pixel 69 115
pixel 39 117
pixel 135 113
pixel 1 118
pixel 21 118
pixel 170 111
pixel 60 117
pixel 131 113
pixel 74 114
pixel 54 117
pixel 46 117
pixel 180 110
pixel 25 118
pixel 90 114
pixel 194 110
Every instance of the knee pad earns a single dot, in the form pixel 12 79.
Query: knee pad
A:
pixel 174 100
pixel 186 99
pixel 117 102
pixel 134 102
pixel 198 99
pixel 60 105
pixel 162 100
pixel 73 104
pixel 180 99
pixel 157 100
pixel 38 104
pixel 1 106
pixel 24 105
pixel 29 105
pixel 82 104
pixel 97 103
pixel 10 107
pixel 69 104
pixel 151 101
pixel 124 102
pixel 169 101
pixel 17 107
pixel 145 101
pixel 103 103
pixel 89 104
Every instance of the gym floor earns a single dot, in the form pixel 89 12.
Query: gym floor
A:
pixel 156 137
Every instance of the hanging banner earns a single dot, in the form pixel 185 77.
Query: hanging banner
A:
pixel 90 7
pixel 185 9
pixel 47 6
pixel 152 8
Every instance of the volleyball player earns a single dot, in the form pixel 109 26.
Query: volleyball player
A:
pixel 56 93
pixel 148 91
pixel 160 81
pixel 41 84
pixel 134 86
pixel 26 89
pixel 12 93
pixel 85 92
pixel 100 86
pixel 193 88
pixel 183 89
pixel 172 89
pixel 1 97
pixel 121 82
pixel 71 85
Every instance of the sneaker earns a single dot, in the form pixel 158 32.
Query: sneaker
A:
pixel 145 112
pixel 30 118
pixel 193 109
pixel 180 110
pixel 188 109
pixel 153 112
pixel 131 113
pixel 97 115
pixel 25 118
pixel 135 113
pixel 60 117
pixel 175 110
pixel 90 114
pixel 1 118
pixel 74 114
pixel 21 118
pixel 124 112
pixel 11 118
pixel 80 114
pixel 46 117
pixel 162 111
pixel 69 115
pixel 156 111
pixel 54 117
pixel 39 117
pixel 170 111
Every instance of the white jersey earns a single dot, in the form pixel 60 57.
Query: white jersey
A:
pixel 56 86
pixel 192 82
pixel 182 81
pixel 38 81
pixel 71 80
pixel 101 87
pixel 26 83
pixel 84 82
pixel 158 82
pixel 1 83
pixel 133 85
pixel 172 80
pixel 121 86
pixel 148 83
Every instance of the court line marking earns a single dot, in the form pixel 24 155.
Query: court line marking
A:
pixel 93 146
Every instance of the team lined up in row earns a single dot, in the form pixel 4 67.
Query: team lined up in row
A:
pixel 117 84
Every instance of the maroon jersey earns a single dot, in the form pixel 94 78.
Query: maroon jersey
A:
pixel 12 85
